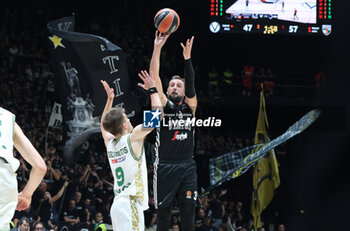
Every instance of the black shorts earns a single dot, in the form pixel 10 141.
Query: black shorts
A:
pixel 175 179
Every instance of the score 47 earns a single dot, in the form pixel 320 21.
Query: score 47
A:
pixel 248 27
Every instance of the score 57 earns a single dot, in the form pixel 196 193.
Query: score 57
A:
pixel 293 29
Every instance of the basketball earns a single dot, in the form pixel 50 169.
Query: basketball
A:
pixel 166 21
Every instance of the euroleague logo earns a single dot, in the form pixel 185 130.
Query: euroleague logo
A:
pixel 189 195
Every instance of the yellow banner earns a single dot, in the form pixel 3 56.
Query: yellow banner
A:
pixel 266 177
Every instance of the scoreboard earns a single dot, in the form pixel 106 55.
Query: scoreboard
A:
pixel 303 17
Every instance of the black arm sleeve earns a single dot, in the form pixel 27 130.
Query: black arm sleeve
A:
pixel 190 90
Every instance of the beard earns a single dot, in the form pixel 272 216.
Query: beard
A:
pixel 175 98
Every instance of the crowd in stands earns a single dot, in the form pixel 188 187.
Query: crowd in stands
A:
pixel 250 79
pixel 80 196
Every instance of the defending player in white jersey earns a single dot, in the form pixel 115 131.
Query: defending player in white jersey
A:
pixel 127 159
pixel 12 135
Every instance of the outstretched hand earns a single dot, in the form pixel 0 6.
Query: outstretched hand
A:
pixel 109 91
pixel 187 48
pixel 160 39
pixel 148 80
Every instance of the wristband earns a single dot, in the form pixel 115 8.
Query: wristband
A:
pixel 152 90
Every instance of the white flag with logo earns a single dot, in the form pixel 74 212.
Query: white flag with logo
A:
pixel 56 116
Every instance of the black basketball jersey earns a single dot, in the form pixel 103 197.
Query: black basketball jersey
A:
pixel 175 137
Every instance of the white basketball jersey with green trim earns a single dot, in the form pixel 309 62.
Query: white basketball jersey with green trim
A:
pixel 130 173
pixel 7 125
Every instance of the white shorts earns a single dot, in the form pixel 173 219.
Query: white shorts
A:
pixel 8 195
pixel 127 214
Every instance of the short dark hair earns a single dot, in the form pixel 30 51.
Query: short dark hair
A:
pixel 38 223
pixel 22 220
pixel 113 120
pixel 177 77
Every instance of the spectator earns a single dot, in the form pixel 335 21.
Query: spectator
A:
pixel 175 227
pixel 230 207
pixel 207 225
pixel 280 227
pixel 47 212
pixel 222 227
pixel 175 218
pixel 216 208
pixel 199 218
pixel 92 210
pixel 99 224
pixel 228 76
pixel 238 213
pixel 232 222
pixel 247 142
pixel 38 196
pixel 213 77
pixel 70 215
pixel 247 79
pixel 28 213
pixel 79 206
pixel 22 225
pixel 39 226
pixel 106 212
pixel 238 144
pixel 102 193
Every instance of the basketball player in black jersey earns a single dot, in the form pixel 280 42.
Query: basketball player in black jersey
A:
pixel 174 168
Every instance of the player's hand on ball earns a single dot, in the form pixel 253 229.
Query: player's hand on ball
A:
pixel 160 39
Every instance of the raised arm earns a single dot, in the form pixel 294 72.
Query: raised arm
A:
pixel 60 193
pixel 139 133
pixel 55 175
pixel 38 171
pixel 110 97
pixel 150 86
pixel 190 91
pixel 159 41
pixel 83 177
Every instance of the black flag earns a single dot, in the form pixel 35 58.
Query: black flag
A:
pixel 80 61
